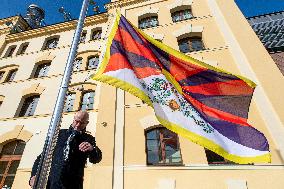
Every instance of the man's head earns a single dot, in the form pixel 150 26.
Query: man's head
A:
pixel 80 121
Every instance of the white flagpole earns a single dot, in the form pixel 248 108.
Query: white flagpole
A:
pixel 51 138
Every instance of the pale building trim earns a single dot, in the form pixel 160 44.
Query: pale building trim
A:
pixel 179 3
pixel 166 184
pixel 118 169
pixel 149 121
pixel 187 29
pixel 34 89
pixel 146 11
pixel 210 62
pixel 18 133
pixel 157 36
pixel 237 184
pixel 45 57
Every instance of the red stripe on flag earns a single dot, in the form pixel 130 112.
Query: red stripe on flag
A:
pixel 133 46
pixel 233 87
pixel 116 62
pixel 181 69
pixel 146 72
pixel 212 112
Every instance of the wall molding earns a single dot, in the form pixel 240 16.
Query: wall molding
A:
pixel 18 133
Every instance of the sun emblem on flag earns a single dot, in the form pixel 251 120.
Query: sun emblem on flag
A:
pixel 174 105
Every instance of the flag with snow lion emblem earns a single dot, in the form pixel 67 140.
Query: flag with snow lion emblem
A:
pixel 207 105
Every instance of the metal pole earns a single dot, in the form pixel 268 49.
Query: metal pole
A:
pixel 51 138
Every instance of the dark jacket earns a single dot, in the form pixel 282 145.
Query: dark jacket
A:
pixel 69 174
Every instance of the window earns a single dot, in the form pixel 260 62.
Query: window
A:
pixel 11 51
pixel 11 155
pixel 190 44
pixel 93 62
pixel 88 100
pixel 77 64
pixel 1 75
pixel 23 49
pixel 214 158
pixel 148 22
pixel 51 43
pixel 29 106
pixel 83 37
pixel 69 103
pixel 181 15
pixel 11 75
pixel 162 147
pixel 96 35
pixel 42 70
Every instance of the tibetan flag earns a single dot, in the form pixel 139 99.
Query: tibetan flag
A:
pixel 207 105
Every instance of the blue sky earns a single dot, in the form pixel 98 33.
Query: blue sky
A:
pixel 258 7
pixel 13 7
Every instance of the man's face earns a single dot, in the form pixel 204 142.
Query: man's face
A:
pixel 80 121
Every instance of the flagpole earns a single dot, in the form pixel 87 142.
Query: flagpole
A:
pixel 51 138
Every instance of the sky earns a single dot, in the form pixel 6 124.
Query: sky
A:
pixel 12 7
pixel 259 7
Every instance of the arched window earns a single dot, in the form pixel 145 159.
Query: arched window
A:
pixel 42 70
pixel 87 102
pixel 11 75
pixel 51 43
pixel 162 147
pixel 23 48
pixel 96 34
pixel 10 51
pixel 29 106
pixel 190 44
pixel 10 158
pixel 77 64
pixel 148 22
pixel 180 15
pixel 93 62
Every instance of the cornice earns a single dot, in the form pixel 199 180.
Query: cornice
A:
pixel 5 31
pixel 56 28
pixel 12 18
pixel 19 20
pixel 122 3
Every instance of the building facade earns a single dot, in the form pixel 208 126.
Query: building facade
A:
pixel 270 30
pixel 137 151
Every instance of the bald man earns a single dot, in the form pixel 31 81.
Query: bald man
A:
pixel 70 155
